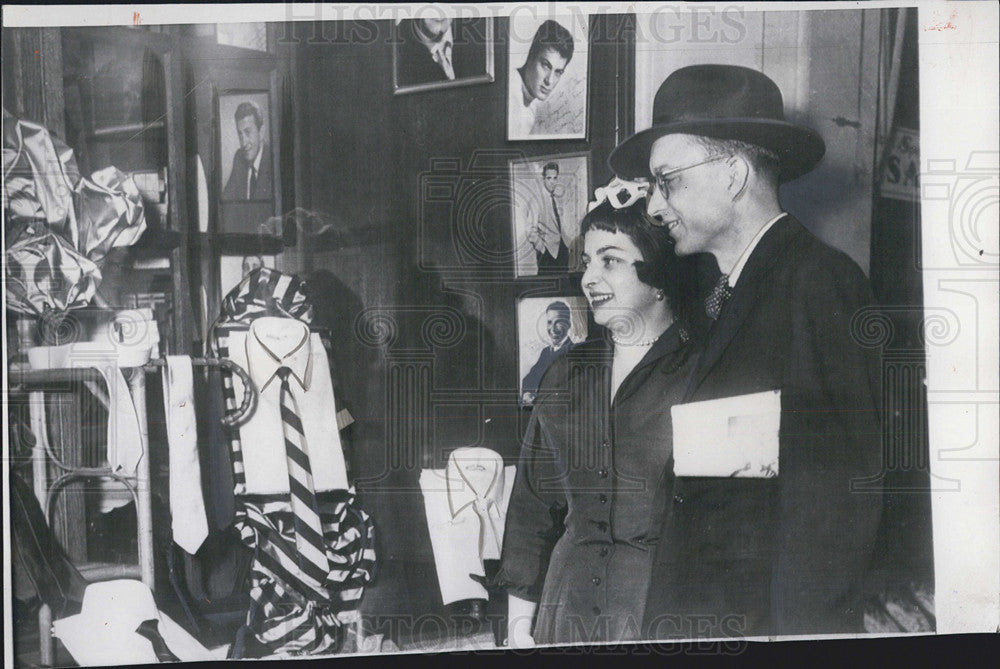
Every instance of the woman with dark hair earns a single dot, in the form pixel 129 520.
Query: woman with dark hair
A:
pixel 595 465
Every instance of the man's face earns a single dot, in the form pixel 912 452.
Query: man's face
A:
pixel 435 28
pixel 696 212
pixel 550 178
pixel 543 73
pixel 250 263
pixel 249 135
pixel 556 326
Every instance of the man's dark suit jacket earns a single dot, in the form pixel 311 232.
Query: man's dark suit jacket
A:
pixel 537 371
pixel 468 53
pixel 236 187
pixel 743 557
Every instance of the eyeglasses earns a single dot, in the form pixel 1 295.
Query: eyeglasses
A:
pixel 661 178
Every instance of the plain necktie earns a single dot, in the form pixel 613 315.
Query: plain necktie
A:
pixel 150 629
pixel 189 522
pixel 718 297
pixel 308 527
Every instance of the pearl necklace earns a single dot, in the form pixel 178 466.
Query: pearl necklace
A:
pixel 645 342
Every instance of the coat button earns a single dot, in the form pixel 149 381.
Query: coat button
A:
pixel 596 580
pixel 678 499
pixel 596 610
pixel 606 444
pixel 604 551
pixel 602 526
pixel 603 473
pixel 603 498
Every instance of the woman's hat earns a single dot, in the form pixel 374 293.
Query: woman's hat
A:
pixel 723 102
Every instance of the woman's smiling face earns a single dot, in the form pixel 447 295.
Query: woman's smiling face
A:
pixel 619 300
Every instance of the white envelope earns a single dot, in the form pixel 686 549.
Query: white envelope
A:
pixel 732 437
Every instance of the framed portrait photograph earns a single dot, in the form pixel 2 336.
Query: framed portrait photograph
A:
pixel 547 65
pixel 436 52
pixel 547 327
pixel 246 163
pixel 234 268
pixel 548 200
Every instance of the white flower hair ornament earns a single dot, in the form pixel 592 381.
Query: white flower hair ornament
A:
pixel 620 193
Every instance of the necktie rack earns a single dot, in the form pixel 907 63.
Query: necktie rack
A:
pixel 92 378
pixel 249 404
pixel 33 381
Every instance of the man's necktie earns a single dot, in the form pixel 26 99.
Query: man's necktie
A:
pixel 150 629
pixel 443 57
pixel 308 528
pixel 555 211
pixel 252 185
pixel 718 297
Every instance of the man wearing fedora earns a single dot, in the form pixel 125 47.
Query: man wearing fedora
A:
pixel 761 556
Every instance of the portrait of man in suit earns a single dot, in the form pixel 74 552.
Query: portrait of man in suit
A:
pixel 545 227
pixel 250 176
pixel 547 328
pixel 557 324
pixel 548 201
pixel 432 52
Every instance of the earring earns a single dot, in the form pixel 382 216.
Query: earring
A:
pixel 660 296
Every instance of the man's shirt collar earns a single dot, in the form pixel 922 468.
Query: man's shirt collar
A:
pixel 474 474
pixel 734 274
pixel 273 343
pixel 435 46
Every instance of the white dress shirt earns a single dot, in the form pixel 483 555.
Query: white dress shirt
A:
pixel 520 119
pixel 734 274
pixel 103 633
pixel 269 344
pixel 466 504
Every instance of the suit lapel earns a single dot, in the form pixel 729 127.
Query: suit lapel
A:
pixel 743 299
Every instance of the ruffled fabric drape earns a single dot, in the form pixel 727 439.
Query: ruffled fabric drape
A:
pixel 59 225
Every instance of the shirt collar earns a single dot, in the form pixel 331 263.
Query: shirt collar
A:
pixel 471 474
pixel 563 344
pixel 434 46
pixel 256 161
pixel 734 274
pixel 273 343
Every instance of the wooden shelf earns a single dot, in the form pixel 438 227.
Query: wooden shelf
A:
pixel 240 244
pixel 157 243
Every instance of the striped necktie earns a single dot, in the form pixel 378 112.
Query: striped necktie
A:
pixel 252 184
pixel 308 528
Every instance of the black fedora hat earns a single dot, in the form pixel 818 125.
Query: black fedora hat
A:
pixel 723 102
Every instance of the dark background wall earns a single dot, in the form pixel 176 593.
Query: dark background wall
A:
pixel 423 300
